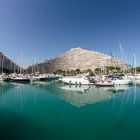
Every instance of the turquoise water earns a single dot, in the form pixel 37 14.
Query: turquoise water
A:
pixel 54 111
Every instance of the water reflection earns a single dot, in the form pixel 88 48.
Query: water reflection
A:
pixel 120 88
pixel 4 88
pixel 93 95
pixel 75 95
pixel 49 111
pixel 83 95
pixel 76 88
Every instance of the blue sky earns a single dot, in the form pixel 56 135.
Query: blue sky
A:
pixel 43 29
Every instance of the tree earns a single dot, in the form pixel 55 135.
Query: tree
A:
pixel 77 71
pixel 89 70
pixel 59 72
pixel 118 68
pixel 138 69
pixel 72 72
pixel 91 73
pixel 110 68
pixel 98 70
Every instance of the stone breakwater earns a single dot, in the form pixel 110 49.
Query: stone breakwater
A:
pixel 78 58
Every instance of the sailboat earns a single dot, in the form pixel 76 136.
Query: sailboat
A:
pixel 19 77
pixel 122 80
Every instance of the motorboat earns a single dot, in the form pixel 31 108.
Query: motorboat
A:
pixel 44 77
pixel 84 80
pixel 121 80
pixel 38 78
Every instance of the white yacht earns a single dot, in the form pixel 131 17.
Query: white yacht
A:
pixel 44 77
pixel 85 80
pixel 135 78
pixel 19 78
pixel 39 77
pixel 121 80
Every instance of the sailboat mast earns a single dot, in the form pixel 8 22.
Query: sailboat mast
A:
pixel 21 63
pixel 2 64
pixel 14 66
pixel 134 63
pixel 123 57
pixel 34 65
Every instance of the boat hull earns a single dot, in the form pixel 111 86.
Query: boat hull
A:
pixel 76 81
pixel 122 82
pixel 104 84
pixel 20 80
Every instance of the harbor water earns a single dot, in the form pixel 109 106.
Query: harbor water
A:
pixel 55 111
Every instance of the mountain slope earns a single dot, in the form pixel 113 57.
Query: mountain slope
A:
pixel 78 58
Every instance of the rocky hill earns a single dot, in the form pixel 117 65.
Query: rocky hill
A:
pixel 78 58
